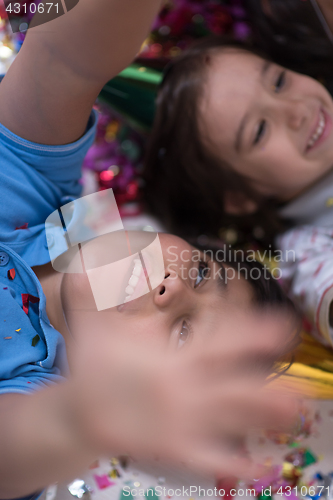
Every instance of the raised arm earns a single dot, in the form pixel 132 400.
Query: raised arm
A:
pixel 48 92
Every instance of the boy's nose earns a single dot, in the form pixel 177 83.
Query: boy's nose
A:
pixel 171 291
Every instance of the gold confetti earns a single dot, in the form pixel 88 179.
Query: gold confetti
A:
pixel 329 202
pixel 113 474
pixel 7 338
pixel 18 330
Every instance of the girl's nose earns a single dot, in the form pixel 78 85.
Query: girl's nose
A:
pixel 297 113
pixel 171 291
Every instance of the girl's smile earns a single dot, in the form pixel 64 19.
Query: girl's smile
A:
pixel 321 131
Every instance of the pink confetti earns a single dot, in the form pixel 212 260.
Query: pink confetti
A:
pixel 291 495
pixel 103 481
pixel 267 480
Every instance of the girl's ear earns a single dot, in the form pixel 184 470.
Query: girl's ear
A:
pixel 237 203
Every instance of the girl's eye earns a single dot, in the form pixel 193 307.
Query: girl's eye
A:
pixel 280 82
pixel 261 132
pixel 203 272
pixel 184 335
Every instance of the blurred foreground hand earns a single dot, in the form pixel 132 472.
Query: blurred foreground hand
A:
pixel 186 406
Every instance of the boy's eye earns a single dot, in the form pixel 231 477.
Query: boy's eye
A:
pixel 261 132
pixel 183 335
pixel 280 82
pixel 203 272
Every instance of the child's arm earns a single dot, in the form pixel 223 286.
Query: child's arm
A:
pixel 48 92
pixel 124 397
pixel 38 443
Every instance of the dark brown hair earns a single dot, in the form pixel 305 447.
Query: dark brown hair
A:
pixel 268 294
pixel 185 182
pixel 295 34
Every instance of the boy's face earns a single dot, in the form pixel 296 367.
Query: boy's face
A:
pixel 193 300
pixel 271 125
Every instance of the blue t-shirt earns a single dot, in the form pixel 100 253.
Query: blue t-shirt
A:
pixel 35 180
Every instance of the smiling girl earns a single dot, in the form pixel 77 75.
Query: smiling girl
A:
pixel 241 141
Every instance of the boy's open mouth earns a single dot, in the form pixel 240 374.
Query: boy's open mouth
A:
pixel 134 280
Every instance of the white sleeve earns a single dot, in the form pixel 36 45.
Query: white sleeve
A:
pixel 307 273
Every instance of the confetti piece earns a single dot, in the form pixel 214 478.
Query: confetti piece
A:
pixel 35 340
pixel 292 495
pixel 25 226
pixel 227 485
pixel 103 481
pixel 18 330
pixel 289 471
pixel 7 338
pixel 114 474
pixel 11 273
pixel 151 494
pixel 26 298
pixel 28 382
pixel 5 287
pixel 78 488
pixel 309 458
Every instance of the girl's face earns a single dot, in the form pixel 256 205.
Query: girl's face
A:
pixel 193 300
pixel 270 124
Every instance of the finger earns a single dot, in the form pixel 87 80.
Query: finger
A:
pixel 243 406
pixel 250 337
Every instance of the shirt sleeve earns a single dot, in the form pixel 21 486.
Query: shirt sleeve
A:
pixel 36 180
pixel 307 273
pixel 32 352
